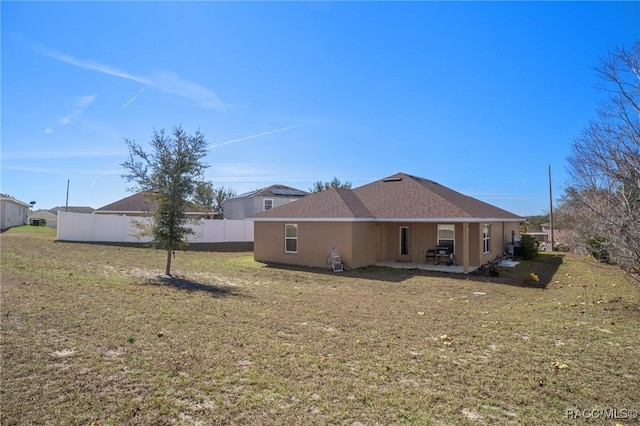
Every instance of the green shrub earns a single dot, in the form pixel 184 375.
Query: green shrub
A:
pixel 41 221
pixel 597 247
pixel 530 247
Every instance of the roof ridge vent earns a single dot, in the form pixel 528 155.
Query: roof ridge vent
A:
pixel 398 179
pixel 427 180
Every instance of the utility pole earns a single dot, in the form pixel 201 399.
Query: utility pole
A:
pixel 551 208
pixel 66 206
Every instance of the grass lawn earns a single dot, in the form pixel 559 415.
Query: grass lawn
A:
pixel 91 334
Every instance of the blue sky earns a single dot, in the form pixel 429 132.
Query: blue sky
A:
pixel 480 97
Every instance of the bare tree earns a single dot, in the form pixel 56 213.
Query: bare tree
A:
pixel 603 197
pixel 324 186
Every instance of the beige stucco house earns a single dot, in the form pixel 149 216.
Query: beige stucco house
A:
pixel 400 218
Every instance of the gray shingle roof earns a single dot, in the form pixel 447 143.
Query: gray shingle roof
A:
pixel 273 191
pixel 400 196
pixel 139 203
pixel 72 209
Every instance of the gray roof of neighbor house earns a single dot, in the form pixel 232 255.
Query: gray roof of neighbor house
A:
pixel 140 203
pixel 43 214
pixel 271 191
pixel 72 209
pixel 397 197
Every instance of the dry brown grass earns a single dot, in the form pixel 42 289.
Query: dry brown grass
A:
pixel 92 335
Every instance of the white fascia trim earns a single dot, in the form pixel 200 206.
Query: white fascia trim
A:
pixel 111 211
pixel 447 219
pixel 129 212
pixel 373 219
pixel 312 219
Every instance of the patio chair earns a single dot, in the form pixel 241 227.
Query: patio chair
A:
pixel 431 254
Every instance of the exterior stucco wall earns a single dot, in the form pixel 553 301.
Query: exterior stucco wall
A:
pixel 475 243
pixel 500 237
pixel 511 232
pixel 422 237
pixel 315 241
pixel 364 243
pixel 495 242
pixel 364 234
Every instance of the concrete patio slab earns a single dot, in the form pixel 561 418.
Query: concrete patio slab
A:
pixel 453 269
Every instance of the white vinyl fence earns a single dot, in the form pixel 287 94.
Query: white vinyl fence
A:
pixel 121 229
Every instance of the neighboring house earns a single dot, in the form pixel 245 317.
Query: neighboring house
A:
pixel 140 204
pixel 51 218
pixel 247 204
pixel 544 236
pixel 51 215
pixel 12 212
pixel 398 218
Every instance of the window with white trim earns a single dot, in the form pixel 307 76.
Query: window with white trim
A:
pixel 267 204
pixel 290 238
pixel 486 238
pixel 447 237
pixel 404 240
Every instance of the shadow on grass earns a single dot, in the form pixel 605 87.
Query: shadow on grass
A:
pixel 228 247
pixel 544 268
pixel 184 284
pixel 536 273
pixel 376 273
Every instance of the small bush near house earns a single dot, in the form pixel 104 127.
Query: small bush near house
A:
pixel 530 247
pixel 596 246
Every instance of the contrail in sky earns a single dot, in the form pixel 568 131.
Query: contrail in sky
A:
pixel 270 132
pixel 133 98
pixel 93 182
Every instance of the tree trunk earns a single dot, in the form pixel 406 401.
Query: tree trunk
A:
pixel 167 270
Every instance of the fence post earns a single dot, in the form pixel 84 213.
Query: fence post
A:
pixel 58 225
pixel 92 228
